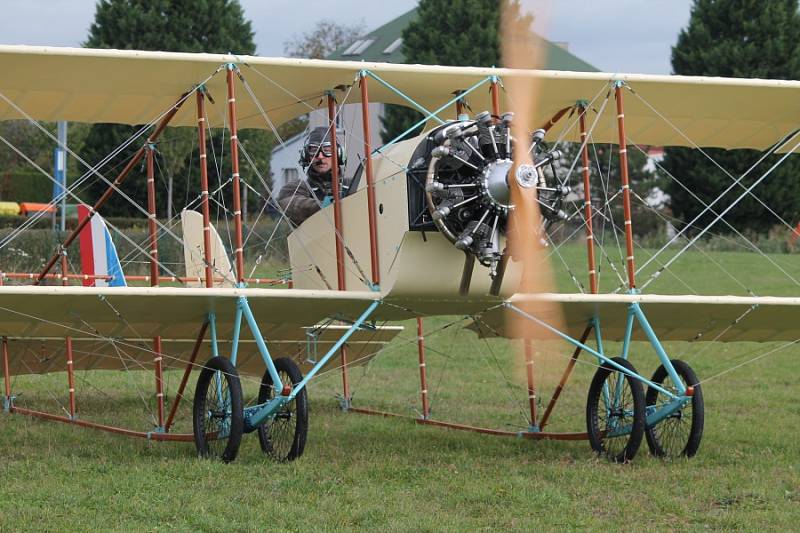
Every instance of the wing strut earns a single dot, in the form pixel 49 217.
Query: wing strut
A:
pixel 117 182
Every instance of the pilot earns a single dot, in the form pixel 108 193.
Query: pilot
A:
pixel 302 198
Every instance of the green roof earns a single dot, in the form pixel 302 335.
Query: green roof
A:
pixel 377 45
pixel 383 37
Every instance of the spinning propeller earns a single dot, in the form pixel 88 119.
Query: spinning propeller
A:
pixel 523 49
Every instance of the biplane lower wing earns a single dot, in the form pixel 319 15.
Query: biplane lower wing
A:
pixel 112 328
pixel 41 355
pixel 678 317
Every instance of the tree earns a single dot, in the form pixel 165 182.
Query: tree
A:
pixel 213 26
pixel 746 39
pixel 456 33
pixel 325 37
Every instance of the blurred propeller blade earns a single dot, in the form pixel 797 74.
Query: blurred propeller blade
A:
pixel 523 49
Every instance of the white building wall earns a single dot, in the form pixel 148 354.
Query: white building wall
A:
pixel 284 162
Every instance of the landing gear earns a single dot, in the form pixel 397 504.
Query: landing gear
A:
pixel 679 434
pixel 615 412
pixel 218 418
pixel 283 437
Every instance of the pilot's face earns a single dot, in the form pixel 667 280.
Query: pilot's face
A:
pixel 321 162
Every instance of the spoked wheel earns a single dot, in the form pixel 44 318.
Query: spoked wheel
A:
pixel 615 412
pixel 680 433
pixel 284 437
pixel 218 417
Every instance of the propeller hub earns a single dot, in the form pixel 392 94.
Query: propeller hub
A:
pixel 495 182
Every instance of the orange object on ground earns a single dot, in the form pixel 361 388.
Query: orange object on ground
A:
pixel 31 208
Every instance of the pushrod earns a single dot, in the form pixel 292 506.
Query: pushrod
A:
pixel 185 378
pixel 626 187
pixel 201 133
pixel 115 184
pixel 237 202
pixel 373 218
pixel 587 203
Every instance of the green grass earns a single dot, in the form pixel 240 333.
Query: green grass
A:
pixel 389 474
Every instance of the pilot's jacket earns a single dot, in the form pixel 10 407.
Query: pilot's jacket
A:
pixel 300 198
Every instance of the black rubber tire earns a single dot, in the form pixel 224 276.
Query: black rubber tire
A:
pixel 680 433
pixel 284 437
pixel 208 418
pixel 623 448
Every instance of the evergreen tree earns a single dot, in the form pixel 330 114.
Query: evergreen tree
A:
pixel 212 26
pixel 746 39
pixel 453 32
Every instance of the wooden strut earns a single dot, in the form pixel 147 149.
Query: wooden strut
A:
pixel 493 89
pixel 115 184
pixel 587 193
pixel 339 235
pixel 528 347
pixel 201 133
pixel 185 379
pixel 373 218
pixel 154 277
pixel 6 371
pixel 564 377
pixel 184 437
pixel 552 122
pixel 531 435
pixel 237 203
pixel 70 360
pixel 626 187
pixel 423 379
pixel 587 203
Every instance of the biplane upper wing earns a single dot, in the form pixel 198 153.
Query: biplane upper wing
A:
pixel 132 87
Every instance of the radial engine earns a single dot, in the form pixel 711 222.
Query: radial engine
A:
pixel 466 168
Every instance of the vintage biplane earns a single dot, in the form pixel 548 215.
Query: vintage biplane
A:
pixel 449 222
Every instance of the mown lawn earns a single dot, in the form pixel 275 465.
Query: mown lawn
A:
pixel 389 474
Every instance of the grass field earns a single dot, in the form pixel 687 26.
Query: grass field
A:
pixel 389 474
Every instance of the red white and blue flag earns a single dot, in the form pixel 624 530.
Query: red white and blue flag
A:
pixel 98 255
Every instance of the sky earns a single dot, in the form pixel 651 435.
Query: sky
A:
pixel 612 35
